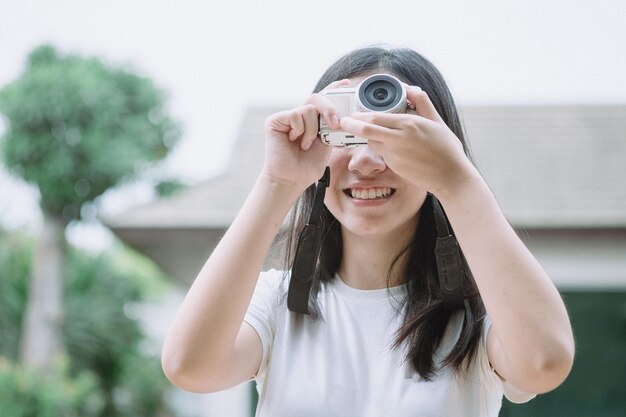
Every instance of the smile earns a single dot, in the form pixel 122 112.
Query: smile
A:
pixel 369 193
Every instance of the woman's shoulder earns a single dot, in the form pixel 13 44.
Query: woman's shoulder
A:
pixel 271 285
pixel 274 277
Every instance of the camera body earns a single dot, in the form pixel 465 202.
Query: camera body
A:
pixel 378 93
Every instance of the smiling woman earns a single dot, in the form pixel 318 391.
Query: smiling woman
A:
pixel 382 336
pixel 368 198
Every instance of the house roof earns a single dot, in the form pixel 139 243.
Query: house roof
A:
pixel 548 166
pixel 214 203
pixel 553 166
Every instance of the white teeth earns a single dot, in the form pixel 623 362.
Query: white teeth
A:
pixel 370 193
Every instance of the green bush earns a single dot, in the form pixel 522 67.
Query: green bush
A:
pixel 24 393
pixel 141 386
pixel 100 336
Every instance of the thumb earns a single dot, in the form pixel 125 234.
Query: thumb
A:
pixel 423 106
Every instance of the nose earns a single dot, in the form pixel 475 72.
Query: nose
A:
pixel 365 161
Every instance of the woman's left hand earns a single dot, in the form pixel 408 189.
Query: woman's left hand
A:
pixel 419 147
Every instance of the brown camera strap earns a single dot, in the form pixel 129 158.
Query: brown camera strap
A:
pixel 307 252
pixel 448 258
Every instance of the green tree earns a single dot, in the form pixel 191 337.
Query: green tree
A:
pixel 76 127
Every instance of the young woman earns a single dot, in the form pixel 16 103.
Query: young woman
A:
pixel 382 339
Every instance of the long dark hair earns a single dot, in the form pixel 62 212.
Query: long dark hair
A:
pixel 425 315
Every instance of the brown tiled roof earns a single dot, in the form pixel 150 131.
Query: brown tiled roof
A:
pixel 553 166
pixel 548 166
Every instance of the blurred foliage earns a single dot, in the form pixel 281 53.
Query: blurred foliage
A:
pixel 149 280
pixel 15 257
pixel 24 393
pixel 101 338
pixel 76 127
pixel 168 188
pixel 596 386
pixel 141 386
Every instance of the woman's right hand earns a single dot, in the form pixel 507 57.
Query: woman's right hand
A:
pixel 293 155
pixel 209 347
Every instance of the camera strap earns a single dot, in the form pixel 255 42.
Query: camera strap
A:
pixel 448 258
pixel 447 254
pixel 307 252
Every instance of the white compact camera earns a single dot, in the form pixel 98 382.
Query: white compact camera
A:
pixel 379 92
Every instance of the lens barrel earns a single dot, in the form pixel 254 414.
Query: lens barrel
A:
pixel 382 93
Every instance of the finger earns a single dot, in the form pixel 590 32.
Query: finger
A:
pixel 389 120
pixel 279 121
pixel 310 118
pixel 327 110
pixel 297 125
pixel 366 130
pixel 423 106
pixel 377 146
pixel 325 107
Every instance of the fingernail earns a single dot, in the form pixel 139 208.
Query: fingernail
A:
pixel 336 122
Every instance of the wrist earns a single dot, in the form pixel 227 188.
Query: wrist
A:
pixel 279 188
pixel 466 181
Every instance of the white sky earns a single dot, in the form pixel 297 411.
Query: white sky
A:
pixel 218 57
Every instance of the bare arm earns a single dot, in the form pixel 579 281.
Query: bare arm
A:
pixel 209 347
pixel 200 353
pixel 530 343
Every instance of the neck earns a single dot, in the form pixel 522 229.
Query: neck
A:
pixel 367 262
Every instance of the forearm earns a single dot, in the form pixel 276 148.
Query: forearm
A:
pixel 526 309
pixel 207 323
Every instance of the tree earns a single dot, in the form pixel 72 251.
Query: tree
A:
pixel 76 127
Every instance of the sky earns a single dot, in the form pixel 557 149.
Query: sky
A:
pixel 217 58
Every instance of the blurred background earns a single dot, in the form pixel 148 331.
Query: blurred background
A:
pixel 130 133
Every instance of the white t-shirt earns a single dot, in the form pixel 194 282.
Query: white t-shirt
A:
pixel 345 365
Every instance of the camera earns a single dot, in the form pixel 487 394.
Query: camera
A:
pixel 379 93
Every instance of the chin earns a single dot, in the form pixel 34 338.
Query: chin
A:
pixel 372 228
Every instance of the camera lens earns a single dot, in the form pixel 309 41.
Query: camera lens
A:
pixel 381 92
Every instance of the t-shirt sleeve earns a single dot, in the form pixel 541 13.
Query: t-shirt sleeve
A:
pixel 261 314
pixel 513 394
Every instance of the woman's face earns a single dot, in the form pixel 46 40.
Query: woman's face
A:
pixel 367 197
